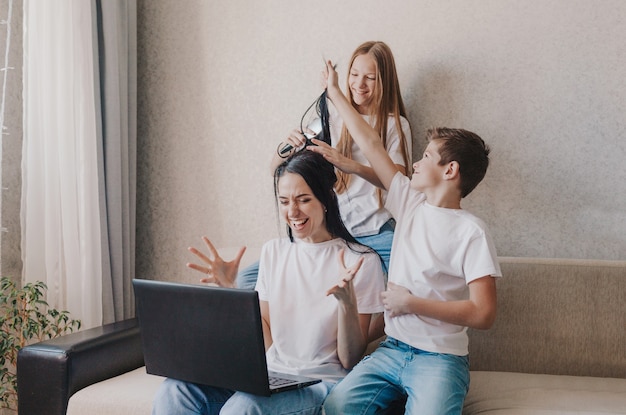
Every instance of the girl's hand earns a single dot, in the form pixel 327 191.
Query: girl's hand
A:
pixel 396 299
pixel 333 156
pixel 295 139
pixel 330 79
pixel 218 271
pixel 344 290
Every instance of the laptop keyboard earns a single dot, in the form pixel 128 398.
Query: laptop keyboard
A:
pixel 278 381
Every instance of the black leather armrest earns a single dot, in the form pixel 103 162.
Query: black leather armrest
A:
pixel 50 372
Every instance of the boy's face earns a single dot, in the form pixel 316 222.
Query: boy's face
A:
pixel 427 173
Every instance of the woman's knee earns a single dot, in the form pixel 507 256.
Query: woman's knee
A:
pixel 178 397
pixel 172 395
pixel 241 404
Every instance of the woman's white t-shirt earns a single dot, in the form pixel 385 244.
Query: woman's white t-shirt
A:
pixel 294 278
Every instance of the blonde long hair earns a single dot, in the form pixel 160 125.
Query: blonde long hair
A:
pixel 387 101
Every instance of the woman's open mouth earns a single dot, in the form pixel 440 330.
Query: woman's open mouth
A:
pixel 298 224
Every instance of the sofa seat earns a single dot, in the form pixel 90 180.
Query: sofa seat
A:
pixel 496 393
pixel 129 394
pixel 491 393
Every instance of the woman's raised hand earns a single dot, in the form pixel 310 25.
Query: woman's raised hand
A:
pixel 218 271
pixel 344 290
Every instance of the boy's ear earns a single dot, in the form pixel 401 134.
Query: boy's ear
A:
pixel 452 170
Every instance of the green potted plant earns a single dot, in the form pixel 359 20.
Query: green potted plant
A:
pixel 25 318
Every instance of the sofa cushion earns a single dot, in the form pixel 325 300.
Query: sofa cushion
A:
pixel 492 393
pixel 496 393
pixel 129 394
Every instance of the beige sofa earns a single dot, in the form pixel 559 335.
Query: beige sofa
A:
pixel 558 347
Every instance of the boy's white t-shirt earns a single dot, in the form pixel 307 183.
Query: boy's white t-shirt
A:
pixel 359 205
pixel 294 278
pixel 436 252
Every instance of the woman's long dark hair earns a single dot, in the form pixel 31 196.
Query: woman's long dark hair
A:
pixel 320 175
pixel 321 110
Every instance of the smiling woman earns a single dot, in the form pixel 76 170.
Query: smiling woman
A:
pixel 321 286
pixel 303 184
pixel 303 213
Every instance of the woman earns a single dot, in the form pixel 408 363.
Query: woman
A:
pixel 315 311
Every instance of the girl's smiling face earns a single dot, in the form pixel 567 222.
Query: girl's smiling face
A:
pixel 301 210
pixel 362 82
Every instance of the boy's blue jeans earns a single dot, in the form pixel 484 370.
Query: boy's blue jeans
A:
pixel 431 383
pixel 180 398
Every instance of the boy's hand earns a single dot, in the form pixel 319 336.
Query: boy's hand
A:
pixel 396 300
pixel 218 271
pixel 344 290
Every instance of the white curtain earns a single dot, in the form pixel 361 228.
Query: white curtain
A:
pixel 66 240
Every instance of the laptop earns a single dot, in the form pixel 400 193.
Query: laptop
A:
pixel 207 335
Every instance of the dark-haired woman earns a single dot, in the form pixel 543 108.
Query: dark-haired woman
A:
pixel 318 289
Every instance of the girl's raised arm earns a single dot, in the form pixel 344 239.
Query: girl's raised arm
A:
pixel 363 134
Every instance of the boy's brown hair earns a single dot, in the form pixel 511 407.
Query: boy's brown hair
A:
pixel 467 149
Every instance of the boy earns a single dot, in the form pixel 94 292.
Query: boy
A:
pixel 441 277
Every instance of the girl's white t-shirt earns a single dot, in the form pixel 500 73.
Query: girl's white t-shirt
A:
pixel 360 209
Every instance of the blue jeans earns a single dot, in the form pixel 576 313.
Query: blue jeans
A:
pixel 247 277
pixel 381 243
pixel 431 383
pixel 180 398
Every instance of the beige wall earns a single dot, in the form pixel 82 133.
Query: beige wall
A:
pixel 222 82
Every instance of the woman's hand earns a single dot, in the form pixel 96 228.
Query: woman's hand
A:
pixel 352 327
pixel 344 290
pixel 218 271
